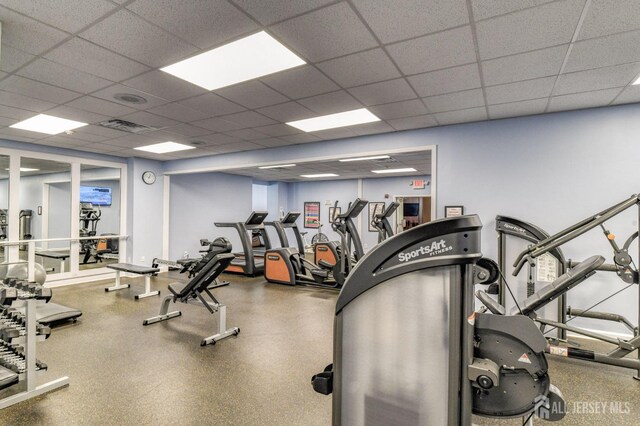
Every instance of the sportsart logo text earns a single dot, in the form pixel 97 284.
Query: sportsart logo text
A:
pixel 435 248
pixel 515 228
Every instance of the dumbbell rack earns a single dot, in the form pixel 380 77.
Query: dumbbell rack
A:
pixel 19 333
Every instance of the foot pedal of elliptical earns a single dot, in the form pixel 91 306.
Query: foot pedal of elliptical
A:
pixel 323 382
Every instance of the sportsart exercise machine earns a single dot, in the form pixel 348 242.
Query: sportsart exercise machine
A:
pixel 554 268
pixel 409 348
pixel 249 262
pixel 288 222
pixel 380 221
pixel 341 257
pixel 89 218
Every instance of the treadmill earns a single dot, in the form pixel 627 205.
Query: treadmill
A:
pixel 251 261
pixel 281 226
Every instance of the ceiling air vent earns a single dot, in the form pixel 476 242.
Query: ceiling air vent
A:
pixel 126 126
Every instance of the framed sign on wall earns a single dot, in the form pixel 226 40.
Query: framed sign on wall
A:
pixel 312 214
pixel 374 208
pixel 453 211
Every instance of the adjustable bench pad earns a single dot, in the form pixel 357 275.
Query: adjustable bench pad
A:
pixel 53 254
pixel 134 269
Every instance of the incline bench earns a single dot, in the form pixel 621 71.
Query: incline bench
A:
pixel 134 269
pixel 194 292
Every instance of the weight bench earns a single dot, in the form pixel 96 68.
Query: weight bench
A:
pixel 194 292
pixel 134 269
pixel 62 256
pixel 548 293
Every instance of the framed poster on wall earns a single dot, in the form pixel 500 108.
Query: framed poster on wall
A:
pixel 333 213
pixel 453 211
pixel 312 214
pixel 374 208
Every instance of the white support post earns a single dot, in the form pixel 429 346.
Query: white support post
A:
pixel 74 246
pixel 13 218
pixel 31 261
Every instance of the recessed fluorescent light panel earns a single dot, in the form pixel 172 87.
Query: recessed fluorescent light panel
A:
pixel 251 57
pixel 26 169
pixel 636 82
pixel 331 121
pixel 408 169
pixel 43 123
pixel 375 157
pixel 320 175
pixel 165 147
pixel 277 166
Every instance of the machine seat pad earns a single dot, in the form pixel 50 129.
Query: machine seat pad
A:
pixel 491 304
pixel 561 285
pixel 134 269
pixel 185 262
pixel 205 277
pixel 176 288
pixel 322 273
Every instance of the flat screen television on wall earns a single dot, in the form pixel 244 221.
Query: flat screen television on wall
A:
pixel 96 195
pixel 411 209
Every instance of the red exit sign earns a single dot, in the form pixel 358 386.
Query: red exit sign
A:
pixel 418 183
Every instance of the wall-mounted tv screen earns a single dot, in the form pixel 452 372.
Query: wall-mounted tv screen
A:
pixel 411 209
pixel 96 195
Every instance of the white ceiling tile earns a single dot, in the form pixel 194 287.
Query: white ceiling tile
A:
pixel 384 92
pixel 64 111
pixel 55 74
pixel 601 78
pixel 273 11
pixel 461 116
pixel 68 15
pixel 62 141
pixel 339 133
pixel 629 95
pixel 130 141
pixel 605 51
pixel 272 142
pixel 524 66
pixel 212 104
pixel 455 101
pixel 544 26
pixel 240 146
pixel 277 130
pixel 435 51
pixel 483 9
pixel 34 89
pixel 399 109
pixel 401 19
pixel 13 58
pixel 517 109
pixel 446 81
pixel 360 68
pixel 163 85
pixel 246 134
pixel 288 111
pixel 7 134
pixel 417 122
pixel 129 35
pixel 109 93
pixel 24 102
pixel 218 124
pixel 15 113
pixel 98 148
pixel 191 153
pixel 26 34
pixel 252 94
pixel 582 100
pixel 219 139
pixel 520 91
pixel 326 33
pixel 187 130
pixel 371 128
pixel 148 119
pixel 331 102
pixel 606 17
pixel 86 137
pixel 300 82
pixel 100 106
pixel 249 119
pixel 201 23
pixel 101 131
pixel 4 121
pixel 301 138
pixel 93 59
pixel 179 112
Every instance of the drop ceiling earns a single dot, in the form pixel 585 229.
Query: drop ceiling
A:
pixel 419 160
pixel 415 64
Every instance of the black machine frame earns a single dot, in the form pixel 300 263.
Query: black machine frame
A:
pixel 248 262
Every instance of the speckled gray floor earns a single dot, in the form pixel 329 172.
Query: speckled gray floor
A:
pixel 124 374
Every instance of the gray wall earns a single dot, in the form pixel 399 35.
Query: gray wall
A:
pixel 197 201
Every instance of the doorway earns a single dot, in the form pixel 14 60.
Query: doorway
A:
pixel 413 211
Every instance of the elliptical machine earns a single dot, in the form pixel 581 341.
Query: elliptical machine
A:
pixel 89 218
pixel 380 221
pixel 409 348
